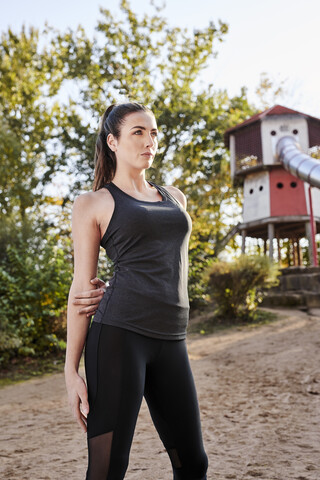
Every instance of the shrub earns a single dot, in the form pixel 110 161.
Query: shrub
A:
pixel 236 288
pixel 34 284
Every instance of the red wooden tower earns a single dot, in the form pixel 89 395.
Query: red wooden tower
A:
pixel 276 203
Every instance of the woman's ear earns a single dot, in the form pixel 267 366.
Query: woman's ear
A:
pixel 112 142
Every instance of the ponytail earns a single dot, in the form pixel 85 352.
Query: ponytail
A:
pixel 105 159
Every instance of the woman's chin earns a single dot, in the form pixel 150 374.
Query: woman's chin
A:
pixel 148 162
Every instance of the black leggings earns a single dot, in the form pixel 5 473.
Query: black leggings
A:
pixel 121 368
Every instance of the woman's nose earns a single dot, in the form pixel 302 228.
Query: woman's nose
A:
pixel 151 141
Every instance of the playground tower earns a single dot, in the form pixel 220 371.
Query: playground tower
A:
pixel 268 155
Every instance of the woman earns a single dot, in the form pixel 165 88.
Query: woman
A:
pixel 135 345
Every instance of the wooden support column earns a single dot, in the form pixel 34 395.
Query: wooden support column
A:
pixel 313 231
pixel 271 237
pixel 310 246
pixel 294 252
pixel 298 252
pixel 279 250
pixel 243 244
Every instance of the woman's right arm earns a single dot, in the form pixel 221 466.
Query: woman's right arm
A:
pixel 86 240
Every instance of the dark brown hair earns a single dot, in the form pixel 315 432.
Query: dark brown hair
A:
pixel 105 158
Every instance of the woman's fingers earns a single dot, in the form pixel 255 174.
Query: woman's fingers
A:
pixel 79 403
pixel 89 305
pixel 94 301
pixel 98 283
pixel 83 407
pixel 90 299
pixel 90 309
pixel 83 395
pixel 89 294
pixel 81 419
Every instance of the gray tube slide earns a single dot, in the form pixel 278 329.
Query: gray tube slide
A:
pixel 298 163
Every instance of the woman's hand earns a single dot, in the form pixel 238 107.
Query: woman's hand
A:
pixel 90 298
pixel 78 398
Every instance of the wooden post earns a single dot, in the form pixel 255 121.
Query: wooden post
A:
pixel 313 232
pixel 279 250
pixel 293 252
pixel 243 244
pixel 271 237
pixel 309 237
pixel 289 253
pixel 298 252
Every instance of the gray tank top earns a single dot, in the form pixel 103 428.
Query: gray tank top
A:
pixel 148 244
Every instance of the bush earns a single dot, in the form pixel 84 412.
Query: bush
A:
pixel 236 288
pixel 34 284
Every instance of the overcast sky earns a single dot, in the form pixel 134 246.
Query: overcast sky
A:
pixel 279 37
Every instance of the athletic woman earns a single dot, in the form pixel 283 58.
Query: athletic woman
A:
pixel 135 345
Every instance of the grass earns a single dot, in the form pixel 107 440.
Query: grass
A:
pixel 21 369
pixel 205 323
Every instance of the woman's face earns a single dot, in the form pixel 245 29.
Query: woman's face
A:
pixel 138 143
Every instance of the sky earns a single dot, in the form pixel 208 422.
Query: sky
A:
pixel 279 37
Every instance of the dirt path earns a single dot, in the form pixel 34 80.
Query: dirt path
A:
pixel 259 391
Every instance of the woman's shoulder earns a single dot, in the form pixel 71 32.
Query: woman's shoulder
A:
pixel 178 194
pixel 93 200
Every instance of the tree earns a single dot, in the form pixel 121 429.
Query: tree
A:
pixel 131 58
pixel 30 123
pixel 146 60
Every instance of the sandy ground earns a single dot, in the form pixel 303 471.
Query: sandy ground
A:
pixel 259 392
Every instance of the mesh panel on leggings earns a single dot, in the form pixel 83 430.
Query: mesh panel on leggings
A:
pixel 174 457
pixel 99 456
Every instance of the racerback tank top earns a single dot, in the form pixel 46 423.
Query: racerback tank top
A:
pixel 148 244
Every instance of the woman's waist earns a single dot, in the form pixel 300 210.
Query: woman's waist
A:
pixel 141 286
pixel 164 271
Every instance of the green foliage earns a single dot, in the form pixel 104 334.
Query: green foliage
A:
pixel 53 92
pixel 236 287
pixel 31 121
pixel 144 59
pixel 34 284
pixel 141 59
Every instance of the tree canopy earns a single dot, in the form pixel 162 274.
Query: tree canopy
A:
pixel 56 85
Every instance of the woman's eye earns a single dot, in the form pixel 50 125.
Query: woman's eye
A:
pixel 139 132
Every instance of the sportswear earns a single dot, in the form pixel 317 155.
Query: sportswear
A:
pixel 148 244
pixel 122 367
